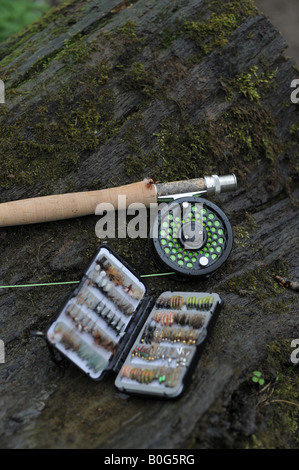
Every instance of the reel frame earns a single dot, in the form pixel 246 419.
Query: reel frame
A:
pixel 210 251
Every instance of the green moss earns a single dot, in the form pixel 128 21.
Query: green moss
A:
pixel 74 50
pixel 277 419
pixel 241 236
pixel 43 143
pixel 294 132
pixel 182 149
pixel 46 142
pixel 128 32
pixel 128 43
pixel 168 37
pixel 251 84
pixel 216 30
pixel 246 137
pixel 136 159
pixel 137 78
pixel 79 118
pixel 241 8
pixel 292 149
pixel 259 283
pixel 249 128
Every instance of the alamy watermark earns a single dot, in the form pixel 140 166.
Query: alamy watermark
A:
pixel 295 93
pixel 2 352
pixel 2 92
pixel 114 221
pixel 295 353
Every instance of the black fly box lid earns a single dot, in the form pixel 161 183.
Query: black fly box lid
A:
pixel 109 323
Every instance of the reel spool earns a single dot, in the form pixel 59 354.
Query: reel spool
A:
pixel 191 237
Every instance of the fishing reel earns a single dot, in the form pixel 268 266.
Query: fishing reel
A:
pixel 190 236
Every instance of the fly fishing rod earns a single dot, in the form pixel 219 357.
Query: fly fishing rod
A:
pixel 70 205
pixel 190 236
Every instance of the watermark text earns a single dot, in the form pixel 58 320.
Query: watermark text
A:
pixel 135 221
pixel 2 352
pixel 2 92
pixel 295 353
pixel 295 93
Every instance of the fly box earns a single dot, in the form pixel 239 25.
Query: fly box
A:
pixel 110 323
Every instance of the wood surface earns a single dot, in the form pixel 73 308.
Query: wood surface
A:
pixel 102 94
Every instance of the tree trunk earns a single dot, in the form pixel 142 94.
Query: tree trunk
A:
pixel 99 94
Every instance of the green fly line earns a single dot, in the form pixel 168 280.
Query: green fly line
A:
pixel 68 282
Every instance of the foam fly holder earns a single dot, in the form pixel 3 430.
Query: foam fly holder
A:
pixel 109 323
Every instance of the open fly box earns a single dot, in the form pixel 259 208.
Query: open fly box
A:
pixel 110 323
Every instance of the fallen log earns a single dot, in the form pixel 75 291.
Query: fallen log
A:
pixel 98 95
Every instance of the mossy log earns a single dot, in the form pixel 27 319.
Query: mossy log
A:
pixel 99 94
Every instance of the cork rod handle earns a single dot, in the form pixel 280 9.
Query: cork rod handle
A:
pixel 66 206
